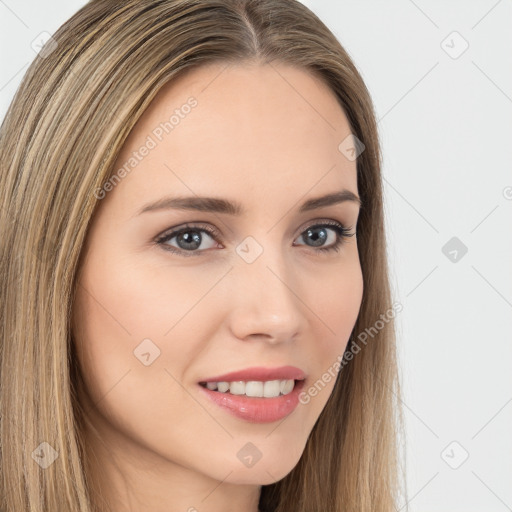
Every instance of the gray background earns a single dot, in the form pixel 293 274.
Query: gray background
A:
pixel 445 119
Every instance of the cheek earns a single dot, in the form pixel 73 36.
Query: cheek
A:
pixel 112 318
pixel 335 300
pixel 160 300
pixel 126 314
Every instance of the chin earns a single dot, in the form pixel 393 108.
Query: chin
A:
pixel 266 470
pixel 259 474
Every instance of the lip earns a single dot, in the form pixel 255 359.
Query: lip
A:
pixel 256 409
pixel 260 373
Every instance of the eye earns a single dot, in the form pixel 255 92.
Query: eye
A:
pixel 190 238
pixel 318 234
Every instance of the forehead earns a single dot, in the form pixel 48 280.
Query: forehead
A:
pixel 251 130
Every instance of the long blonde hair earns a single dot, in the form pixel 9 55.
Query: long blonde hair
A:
pixel 58 143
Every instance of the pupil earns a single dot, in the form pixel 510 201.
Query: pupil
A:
pixel 318 239
pixel 194 240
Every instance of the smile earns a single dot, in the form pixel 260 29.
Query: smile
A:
pixel 248 401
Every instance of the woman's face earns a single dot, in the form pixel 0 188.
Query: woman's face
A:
pixel 158 312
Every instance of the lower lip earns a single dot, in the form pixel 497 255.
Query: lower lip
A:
pixel 257 409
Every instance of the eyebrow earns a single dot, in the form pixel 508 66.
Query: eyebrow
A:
pixel 217 205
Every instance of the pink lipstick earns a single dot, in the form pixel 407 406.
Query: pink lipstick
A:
pixel 228 392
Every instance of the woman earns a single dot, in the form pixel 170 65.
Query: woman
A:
pixel 135 377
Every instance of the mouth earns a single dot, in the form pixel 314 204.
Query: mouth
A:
pixel 258 394
pixel 255 401
pixel 253 388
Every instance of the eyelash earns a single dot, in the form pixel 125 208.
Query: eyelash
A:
pixel 342 233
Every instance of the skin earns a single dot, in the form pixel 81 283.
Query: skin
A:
pixel 266 136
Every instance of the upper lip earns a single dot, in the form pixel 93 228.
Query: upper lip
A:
pixel 260 373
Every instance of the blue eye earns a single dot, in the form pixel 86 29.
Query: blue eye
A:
pixel 189 238
pixel 318 234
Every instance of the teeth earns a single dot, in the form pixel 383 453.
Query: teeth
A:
pixel 237 388
pixel 267 389
pixel 254 388
pixel 286 386
pixel 221 386
pixel 272 388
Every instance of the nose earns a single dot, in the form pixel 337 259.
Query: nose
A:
pixel 265 302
